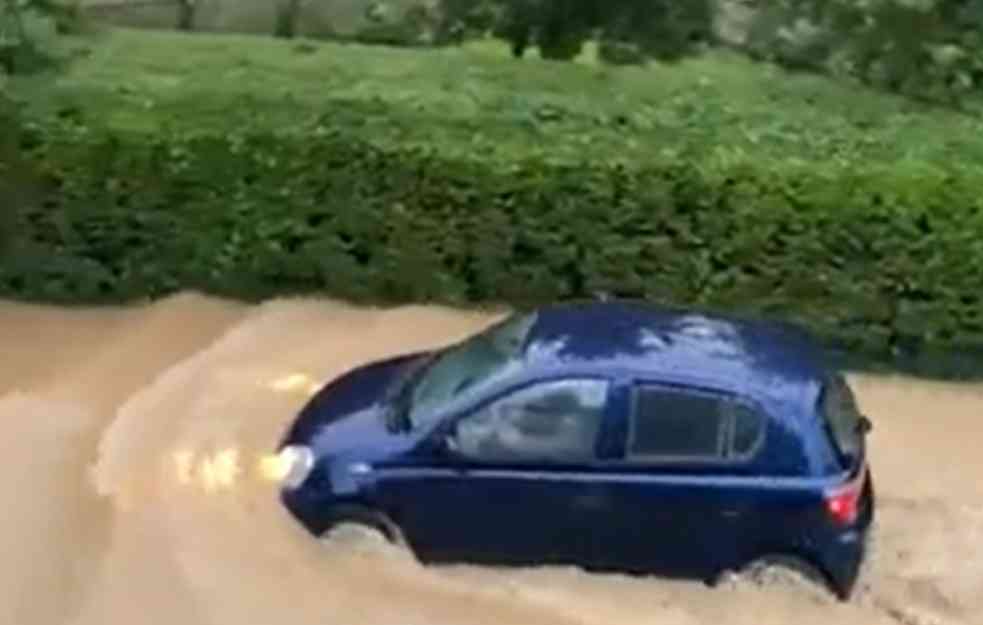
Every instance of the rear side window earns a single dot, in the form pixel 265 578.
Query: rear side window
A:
pixel 672 424
pixel 841 414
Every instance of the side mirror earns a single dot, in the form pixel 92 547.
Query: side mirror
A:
pixel 864 425
pixel 445 445
pixel 450 444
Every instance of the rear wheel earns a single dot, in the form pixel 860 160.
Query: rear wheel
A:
pixel 782 571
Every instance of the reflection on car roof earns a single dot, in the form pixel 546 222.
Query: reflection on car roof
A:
pixel 655 339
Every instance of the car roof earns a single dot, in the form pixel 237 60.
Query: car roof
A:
pixel 676 344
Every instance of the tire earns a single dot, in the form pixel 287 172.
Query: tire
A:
pixel 365 531
pixel 770 569
pixel 353 532
pixel 784 571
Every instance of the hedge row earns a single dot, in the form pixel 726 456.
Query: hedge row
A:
pixel 876 259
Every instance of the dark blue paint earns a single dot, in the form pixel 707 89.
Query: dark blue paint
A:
pixel 692 519
pixel 676 341
pixel 357 391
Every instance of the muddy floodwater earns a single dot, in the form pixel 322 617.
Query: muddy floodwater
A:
pixel 134 487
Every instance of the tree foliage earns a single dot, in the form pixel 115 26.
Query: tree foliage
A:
pixel 925 48
pixel 661 29
pixel 285 22
pixel 187 10
pixel 929 49
pixel 664 29
pixel 386 25
pixel 21 50
pixel 9 129
pixel 460 20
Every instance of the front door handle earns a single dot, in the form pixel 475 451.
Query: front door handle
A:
pixel 589 500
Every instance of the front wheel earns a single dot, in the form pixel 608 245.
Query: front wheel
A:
pixel 366 532
pixel 354 534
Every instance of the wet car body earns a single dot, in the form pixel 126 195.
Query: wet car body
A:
pixel 610 435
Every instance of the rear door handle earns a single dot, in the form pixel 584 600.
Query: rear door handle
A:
pixel 591 500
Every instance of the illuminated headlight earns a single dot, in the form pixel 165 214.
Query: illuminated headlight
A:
pixel 295 464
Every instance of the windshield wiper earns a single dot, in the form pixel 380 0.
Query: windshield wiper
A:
pixel 394 413
pixel 394 422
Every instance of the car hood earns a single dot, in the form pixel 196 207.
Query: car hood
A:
pixel 347 413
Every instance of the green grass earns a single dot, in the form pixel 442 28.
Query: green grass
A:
pixel 479 101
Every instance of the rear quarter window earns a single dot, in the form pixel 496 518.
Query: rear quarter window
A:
pixel 841 417
pixel 748 430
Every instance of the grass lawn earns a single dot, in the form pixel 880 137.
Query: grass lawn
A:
pixel 478 101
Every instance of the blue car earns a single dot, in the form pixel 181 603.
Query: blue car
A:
pixel 615 436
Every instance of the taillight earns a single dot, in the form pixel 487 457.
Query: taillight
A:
pixel 843 503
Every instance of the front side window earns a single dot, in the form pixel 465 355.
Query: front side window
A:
pixel 556 421
pixel 673 424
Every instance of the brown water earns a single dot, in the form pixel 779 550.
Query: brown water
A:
pixel 134 489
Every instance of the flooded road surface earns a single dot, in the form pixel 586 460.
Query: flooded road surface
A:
pixel 135 491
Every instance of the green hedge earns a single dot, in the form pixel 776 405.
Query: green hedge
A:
pixel 874 258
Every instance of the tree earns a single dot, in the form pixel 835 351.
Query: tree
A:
pixel 186 14
pixel 661 29
pixel 9 157
pixel 562 28
pixel 19 53
pixel 11 34
pixel 422 19
pixel 377 12
pixel 517 23
pixel 665 30
pixel 930 49
pixel 459 20
pixel 287 12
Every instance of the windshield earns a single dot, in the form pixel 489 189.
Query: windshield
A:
pixel 842 417
pixel 472 363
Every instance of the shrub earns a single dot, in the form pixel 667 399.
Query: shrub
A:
pixel 29 30
pixel 620 53
pixel 876 259
pixel 9 129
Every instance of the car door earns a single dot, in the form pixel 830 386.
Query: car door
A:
pixel 506 486
pixel 682 494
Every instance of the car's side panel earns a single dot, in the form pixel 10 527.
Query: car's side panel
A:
pixel 693 518
pixel 666 528
pixel 497 516
pixel 695 525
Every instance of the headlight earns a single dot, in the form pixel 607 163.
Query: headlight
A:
pixel 295 464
